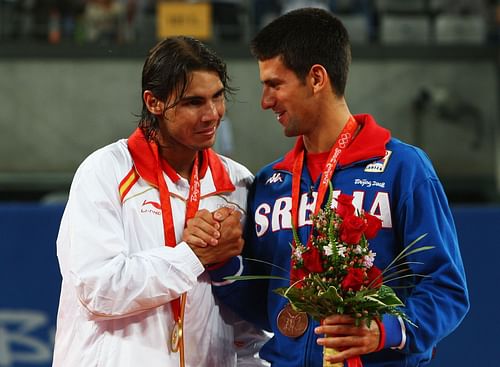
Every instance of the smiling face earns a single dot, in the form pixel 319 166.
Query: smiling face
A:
pixel 290 98
pixel 191 124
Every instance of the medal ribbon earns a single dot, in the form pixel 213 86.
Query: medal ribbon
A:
pixel 192 204
pixel 342 142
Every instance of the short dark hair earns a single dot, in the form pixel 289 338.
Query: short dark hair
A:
pixel 305 37
pixel 167 70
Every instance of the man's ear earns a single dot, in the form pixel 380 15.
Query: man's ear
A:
pixel 154 105
pixel 318 77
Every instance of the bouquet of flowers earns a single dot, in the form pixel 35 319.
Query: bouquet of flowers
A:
pixel 335 273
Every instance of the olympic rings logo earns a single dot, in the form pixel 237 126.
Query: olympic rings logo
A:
pixel 344 140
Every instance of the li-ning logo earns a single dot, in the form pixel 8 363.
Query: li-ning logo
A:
pixel 156 207
pixel 276 177
pixel 344 139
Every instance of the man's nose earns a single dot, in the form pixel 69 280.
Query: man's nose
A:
pixel 267 101
pixel 213 112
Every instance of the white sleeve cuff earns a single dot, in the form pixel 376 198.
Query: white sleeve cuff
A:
pixel 403 334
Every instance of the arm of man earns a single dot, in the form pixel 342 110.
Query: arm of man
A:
pixel 238 295
pixel 215 237
pixel 436 299
pixel 103 264
pixel 443 287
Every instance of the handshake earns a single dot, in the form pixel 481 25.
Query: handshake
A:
pixel 214 236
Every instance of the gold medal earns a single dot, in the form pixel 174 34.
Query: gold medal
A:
pixel 176 337
pixel 292 323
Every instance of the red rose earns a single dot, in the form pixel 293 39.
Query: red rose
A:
pixel 298 274
pixel 374 277
pixel 373 225
pixel 354 279
pixel 312 260
pixel 352 229
pixel 344 205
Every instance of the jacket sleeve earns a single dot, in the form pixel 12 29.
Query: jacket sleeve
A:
pixel 248 341
pixel 248 298
pixel 110 280
pixel 437 302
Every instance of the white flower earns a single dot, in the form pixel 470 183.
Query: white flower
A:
pixel 297 252
pixel 369 258
pixel 341 249
pixel 328 250
pixel 358 249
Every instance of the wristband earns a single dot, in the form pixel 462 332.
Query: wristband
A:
pixel 216 265
pixel 381 341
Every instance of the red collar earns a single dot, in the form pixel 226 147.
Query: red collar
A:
pixel 369 143
pixel 144 157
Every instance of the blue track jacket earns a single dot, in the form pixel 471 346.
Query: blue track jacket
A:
pixel 390 179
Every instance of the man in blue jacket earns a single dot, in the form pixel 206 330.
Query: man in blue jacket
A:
pixel 303 59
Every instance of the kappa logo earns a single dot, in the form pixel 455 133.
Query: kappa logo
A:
pixel 379 166
pixel 276 177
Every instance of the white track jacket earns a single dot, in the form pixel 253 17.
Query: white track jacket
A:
pixel 119 277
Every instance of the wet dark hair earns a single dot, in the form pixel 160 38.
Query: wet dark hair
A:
pixel 305 37
pixel 167 72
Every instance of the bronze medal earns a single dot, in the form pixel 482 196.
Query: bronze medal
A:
pixel 176 337
pixel 292 323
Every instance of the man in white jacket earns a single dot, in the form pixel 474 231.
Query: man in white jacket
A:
pixel 134 293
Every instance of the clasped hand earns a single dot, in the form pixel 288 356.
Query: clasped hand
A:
pixel 214 237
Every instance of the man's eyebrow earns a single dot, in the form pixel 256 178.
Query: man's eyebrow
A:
pixel 271 81
pixel 193 97
pixel 220 91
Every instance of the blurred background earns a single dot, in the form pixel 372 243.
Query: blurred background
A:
pixel 429 70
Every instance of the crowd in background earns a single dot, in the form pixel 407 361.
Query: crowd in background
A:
pixel 125 21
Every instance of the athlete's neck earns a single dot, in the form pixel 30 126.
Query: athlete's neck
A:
pixel 328 128
pixel 180 161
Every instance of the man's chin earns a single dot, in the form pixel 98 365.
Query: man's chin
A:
pixel 206 145
pixel 290 133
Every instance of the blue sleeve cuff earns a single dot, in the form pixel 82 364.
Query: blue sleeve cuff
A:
pixel 233 267
pixel 394 334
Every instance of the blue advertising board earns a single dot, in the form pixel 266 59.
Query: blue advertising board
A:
pixel 30 284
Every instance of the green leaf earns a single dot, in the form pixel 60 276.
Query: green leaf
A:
pixel 332 295
pixel 419 249
pixel 406 251
pixel 330 195
pixel 412 275
pixel 253 277
pixel 267 263
pixel 376 300
pixel 296 237
pixel 389 297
